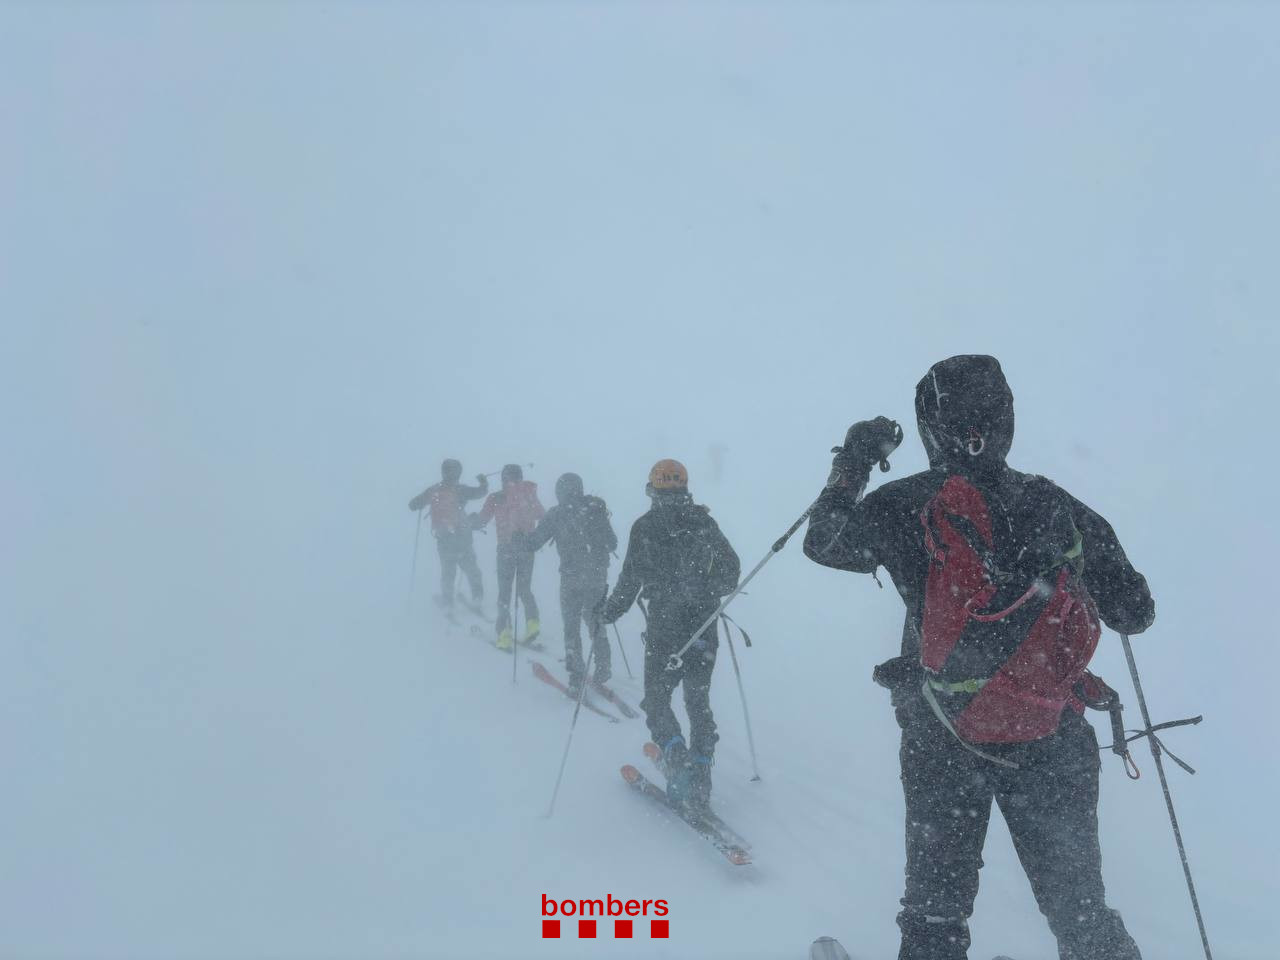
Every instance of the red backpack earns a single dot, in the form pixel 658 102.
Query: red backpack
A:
pixel 1008 626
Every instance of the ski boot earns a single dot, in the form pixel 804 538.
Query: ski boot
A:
pixel 698 800
pixel 675 767
pixel 532 627
pixel 504 639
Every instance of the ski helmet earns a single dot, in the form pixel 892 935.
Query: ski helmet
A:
pixel 964 409
pixel 568 488
pixel 668 475
pixel 451 471
pixel 512 473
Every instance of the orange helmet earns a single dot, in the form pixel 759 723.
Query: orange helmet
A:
pixel 669 475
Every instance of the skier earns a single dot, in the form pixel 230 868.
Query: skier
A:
pixel 450 527
pixel 584 537
pixel 1003 575
pixel 518 510
pixel 681 564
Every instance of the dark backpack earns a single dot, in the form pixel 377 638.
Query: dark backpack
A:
pixel 1008 626
pixel 596 530
pixel 689 565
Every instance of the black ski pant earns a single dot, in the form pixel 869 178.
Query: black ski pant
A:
pixel 456 551
pixel 695 674
pixel 580 591
pixel 514 566
pixel 1051 806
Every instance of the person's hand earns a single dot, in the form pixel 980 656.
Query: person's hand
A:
pixel 865 443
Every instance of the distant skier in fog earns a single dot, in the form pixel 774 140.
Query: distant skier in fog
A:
pixel 584 537
pixel 518 510
pixel 1004 576
pixel 452 529
pixel 679 561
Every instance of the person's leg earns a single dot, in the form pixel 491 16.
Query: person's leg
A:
pixel 571 614
pixel 698 664
pixel 592 593
pixel 1051 806
pixel 506 575
pixel 948 805
pixel 524 580
pixel 448 568
pixel 659 685
pixel 466 554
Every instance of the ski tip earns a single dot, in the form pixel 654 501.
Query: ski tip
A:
pixel 652 752
pixel 739 857
pixel 630 773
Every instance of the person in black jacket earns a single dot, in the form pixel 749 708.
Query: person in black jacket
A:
pixel 1046 787
pixel 681 564
pixel 579 524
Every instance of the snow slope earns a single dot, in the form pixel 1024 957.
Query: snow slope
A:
pixel 263 266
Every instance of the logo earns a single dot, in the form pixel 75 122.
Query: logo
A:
pixel 622 915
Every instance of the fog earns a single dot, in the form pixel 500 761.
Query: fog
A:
pixel 263 266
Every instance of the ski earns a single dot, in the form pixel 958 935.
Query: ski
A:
pixel 703 828
pixel 624 708
pixel 546 676
pixel 827 948
pixel 476 609
pixel 654 753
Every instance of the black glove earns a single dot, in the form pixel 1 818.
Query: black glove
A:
pixel 865 443
pixel 482 481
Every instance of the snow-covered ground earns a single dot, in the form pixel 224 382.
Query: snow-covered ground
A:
pixel 263 266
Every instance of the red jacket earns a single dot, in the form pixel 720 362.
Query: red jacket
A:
pixel 445 502
pixel 516 507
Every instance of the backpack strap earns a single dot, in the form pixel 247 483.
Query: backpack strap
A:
pixel 938 712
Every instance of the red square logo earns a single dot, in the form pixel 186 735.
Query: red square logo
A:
pixel 587 929
pixel 622 929
pixel 550 929
pixel 658 929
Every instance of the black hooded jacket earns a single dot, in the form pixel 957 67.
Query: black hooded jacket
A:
pixel 965 414
pixel 583 534
pixel 680 562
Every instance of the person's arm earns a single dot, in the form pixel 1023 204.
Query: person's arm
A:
pixel 844 531
pixel 420 501
pixel 1124 600
pixel 611 538
pixel 474 493
pixel 726 568
pixel 547 529
pixel 630 580
pixel 478 520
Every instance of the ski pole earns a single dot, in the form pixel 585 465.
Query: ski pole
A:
pixel 527 466
pixel 751 741
pixel 676 660
pixel 623 650
pixel 582 689
pixel 887 446
pixel 1168 797
pixel 413 570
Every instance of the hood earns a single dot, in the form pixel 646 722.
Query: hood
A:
pixel 964 410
